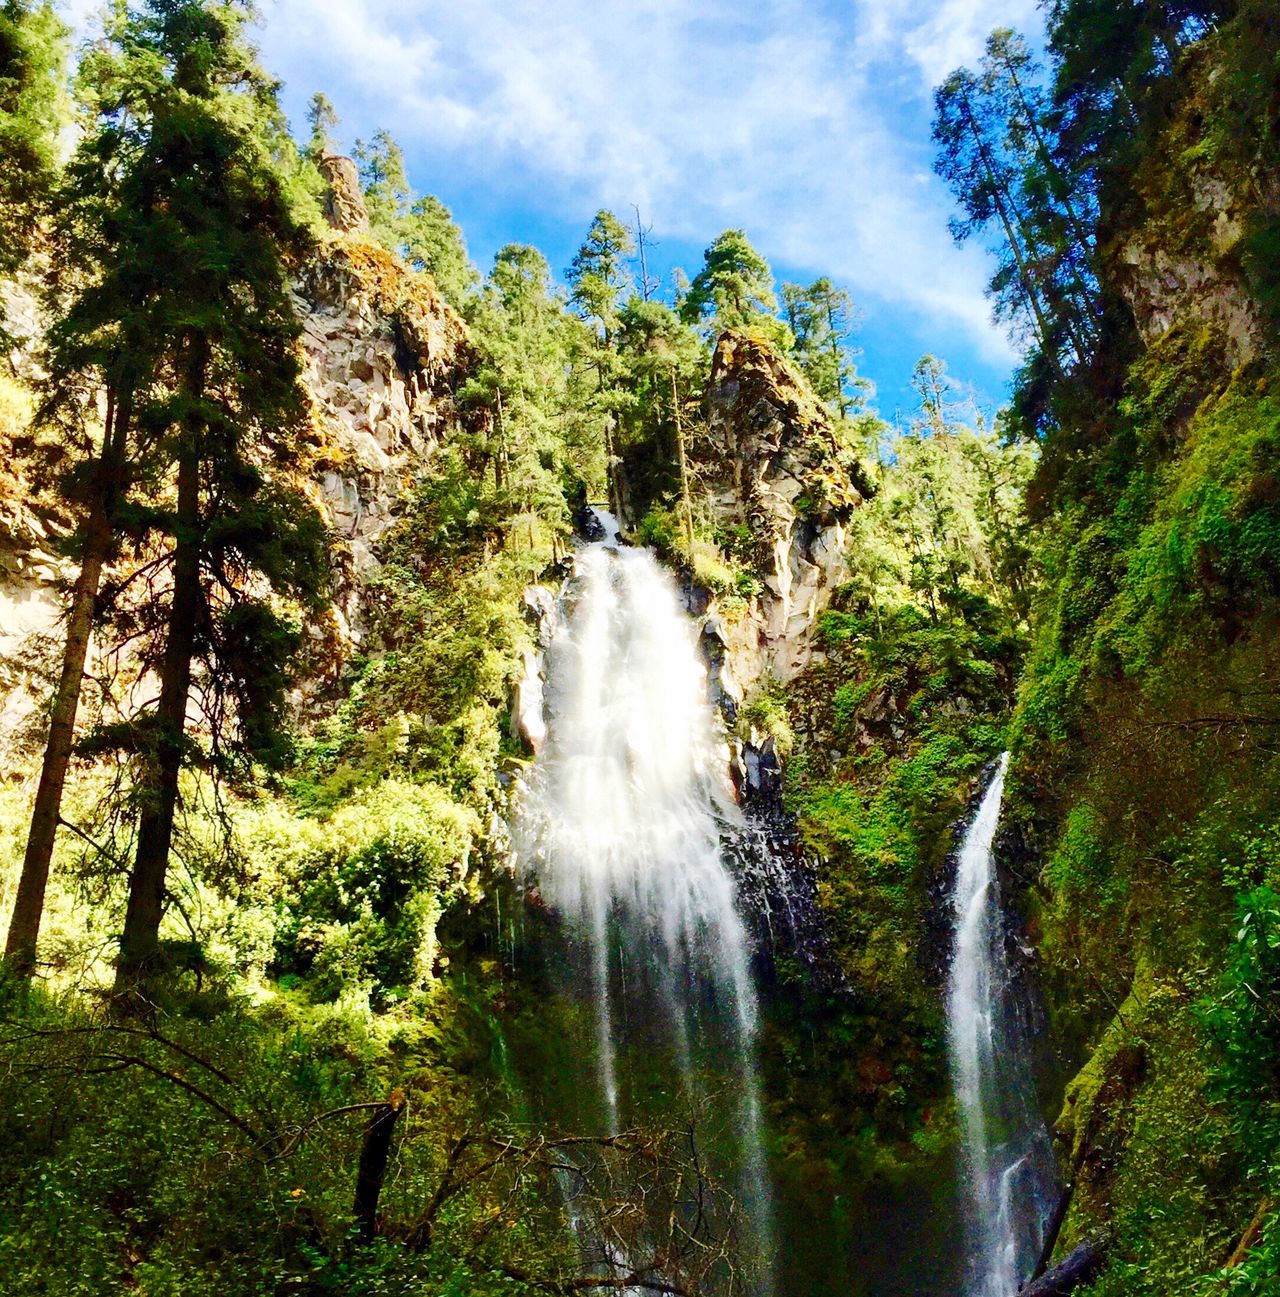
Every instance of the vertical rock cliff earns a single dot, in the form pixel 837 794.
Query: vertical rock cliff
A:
pixel 777 477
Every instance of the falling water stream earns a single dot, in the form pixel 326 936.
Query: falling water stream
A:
pixel 1007 1163
pixel 623 826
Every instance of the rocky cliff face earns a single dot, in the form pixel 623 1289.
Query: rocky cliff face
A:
pixel 1187 267
pixel 778 477
pixel 1185 259
pixel 384 356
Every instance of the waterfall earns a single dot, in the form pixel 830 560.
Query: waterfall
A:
pixel 1007 1162
pixel 623 826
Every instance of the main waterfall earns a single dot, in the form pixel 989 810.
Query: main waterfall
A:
pixel 1007 1159
pixel 622 827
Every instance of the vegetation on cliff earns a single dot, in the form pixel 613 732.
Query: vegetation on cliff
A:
pixel 1144 755
pixel 281 746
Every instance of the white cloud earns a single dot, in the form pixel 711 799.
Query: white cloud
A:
pixel 804 121
pixel 943 35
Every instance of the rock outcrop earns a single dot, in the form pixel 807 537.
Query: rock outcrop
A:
pixel 1186 266
pixel 383 357
pixel 344 206
pixel 777 475
pixel 1184 258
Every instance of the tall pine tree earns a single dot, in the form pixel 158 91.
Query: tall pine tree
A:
pixel 176 204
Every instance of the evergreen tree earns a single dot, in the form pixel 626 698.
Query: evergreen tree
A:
pixel 386 186
pixel 33 48
pixel 432 241
pixel 176 205
pixel 735 289
pixel 598 278
pixel 945 523
pixel 967 131
pixel 422 231
pixel 323 120
pixel 821 321
pixel 535 355
pixel 931 382
pixel 661 369
pixel 598 281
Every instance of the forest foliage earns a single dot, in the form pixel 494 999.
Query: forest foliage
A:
pixel 1143 774
pixel 294 903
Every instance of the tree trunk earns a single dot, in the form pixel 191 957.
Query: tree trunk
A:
pixel 24 926
pixel 686 505
pixel 1062 189
pixel 999 196
pixel 374 1155
pixel 1081 1267
pixel 140 940
pixel 841 402
pixel 1250 1235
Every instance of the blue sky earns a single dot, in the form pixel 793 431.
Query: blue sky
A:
pixel 805 122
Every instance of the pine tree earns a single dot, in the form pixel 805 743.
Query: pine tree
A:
pixel 967 131
pixel 734 288
pixel 33 48
pixel 432 241
pixel 323 120
pixel 229 410
pixel 599 278
pixel 528 385
pixel 661 365
pixel 931 383
pixel 821 321
pixel 386 185
pixel 176 205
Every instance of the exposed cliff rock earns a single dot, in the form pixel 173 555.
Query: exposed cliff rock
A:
pixel 1189 268
pixel 384 355
pixel 777 475
pixel 344 206
pixel 1185 259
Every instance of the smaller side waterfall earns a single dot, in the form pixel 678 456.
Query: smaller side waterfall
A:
pixel 1007 1160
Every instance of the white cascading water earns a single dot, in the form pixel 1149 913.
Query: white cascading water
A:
pixel 1007 1162
pixel 622 827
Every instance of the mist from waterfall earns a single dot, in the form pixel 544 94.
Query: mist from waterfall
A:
pixel 622 828
pixel 1007 1162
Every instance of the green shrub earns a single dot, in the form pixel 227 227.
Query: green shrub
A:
pixel 362 887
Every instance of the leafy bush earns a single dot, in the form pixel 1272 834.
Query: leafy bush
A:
pixel 362 887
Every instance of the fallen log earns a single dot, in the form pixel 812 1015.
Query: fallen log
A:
pixel 1081 1267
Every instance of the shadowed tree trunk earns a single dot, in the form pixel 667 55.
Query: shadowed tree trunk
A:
pixel 374 1155
pixel 140 940
pixel 24 926
pixel 1081 1267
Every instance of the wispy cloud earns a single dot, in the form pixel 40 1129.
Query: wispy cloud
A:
pixel 805 121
